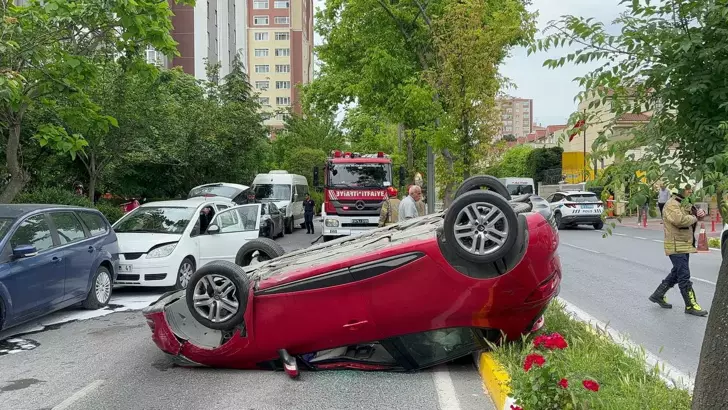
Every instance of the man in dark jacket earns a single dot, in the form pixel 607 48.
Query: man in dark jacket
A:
pixel 308 210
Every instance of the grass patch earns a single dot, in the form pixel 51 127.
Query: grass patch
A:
pixel 624 381
pixel 714 243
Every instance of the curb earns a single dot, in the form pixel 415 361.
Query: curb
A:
pixel 495 380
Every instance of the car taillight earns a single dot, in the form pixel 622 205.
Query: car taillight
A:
pixel 329 208
pixel 150 322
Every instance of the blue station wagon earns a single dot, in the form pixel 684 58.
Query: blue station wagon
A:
pixel 53 257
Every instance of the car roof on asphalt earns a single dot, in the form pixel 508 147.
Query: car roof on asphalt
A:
pixel 16 210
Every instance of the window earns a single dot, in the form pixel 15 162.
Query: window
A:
pixel 260 4
pixel 34 231
pixel 262 68
pixel 283 52
pixel 283 100
pixel 261 52
pixel 156 219
pixel 282 116
pixel 283 35
pixel 221 207
pixel 261 36
pixel 261 85
pixel 583 198
pixel 69 228
pixel 264 100
pixel 282 20
pixel 440 345
pixel 274 192
pixel 239 219
pixel 283 85
pixel 260 20
pixel 281 4
pixel 94 223
pixel 283 68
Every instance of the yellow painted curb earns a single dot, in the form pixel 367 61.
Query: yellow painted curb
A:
pixel 495 379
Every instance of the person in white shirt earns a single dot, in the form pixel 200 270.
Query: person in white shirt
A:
pixel 408 206
pixel 662 198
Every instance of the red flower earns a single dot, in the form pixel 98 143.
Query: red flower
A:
pixel 590 385
pixel 551 342
pixel 532 359
pixel 514 407
pixel 564 383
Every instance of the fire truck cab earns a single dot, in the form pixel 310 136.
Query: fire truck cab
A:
pixel 354 188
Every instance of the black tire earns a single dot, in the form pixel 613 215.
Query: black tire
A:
pixel 453 219
pixel 268 248
pixel 476 182
pixel 92 301
pixel 216 272
pixel 180 283
pixel 282 234
pixel 557 217
pixel 288 225
pixel 598 226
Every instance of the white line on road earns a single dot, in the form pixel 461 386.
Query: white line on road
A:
pixel 579 247
pixel 658 240
pixel 639 237
pixel 668 372
pixel 702 280
pixel 446 395
pixel 78 395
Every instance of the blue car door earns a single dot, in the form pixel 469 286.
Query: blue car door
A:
pixel 35 283
pixel 80 252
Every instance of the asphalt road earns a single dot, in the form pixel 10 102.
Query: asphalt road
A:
pixel 110 362
pixel 611 279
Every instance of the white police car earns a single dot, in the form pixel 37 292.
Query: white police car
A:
pixel 573 208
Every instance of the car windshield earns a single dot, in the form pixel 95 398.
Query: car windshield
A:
pixel 360 175
pixel 440 345
pixel 517 189
pixel 155 219
pixel 5 224
pixel 583 198
pixel 216 190
pixel 273 192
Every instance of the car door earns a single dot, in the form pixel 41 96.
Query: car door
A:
pixel 78 250
pixel 35 283
pixel 237 225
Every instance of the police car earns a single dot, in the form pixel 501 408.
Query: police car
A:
pixel 571 208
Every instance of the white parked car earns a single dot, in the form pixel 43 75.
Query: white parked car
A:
pixel 285 190
pixel 572 208
pixel 164 243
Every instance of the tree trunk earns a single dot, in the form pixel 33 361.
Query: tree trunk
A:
pixel 410 154
pixel 93 175
pixel 712 378
pixel 18 177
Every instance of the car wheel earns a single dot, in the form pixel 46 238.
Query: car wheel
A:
pixel 598 226
pixel 557 218
pixel 483 181
pixel 258 250
pixel 185 271
pixel 289 225
pixel 481 226
pixel 282 233
pixel 100 293
pixel 217 295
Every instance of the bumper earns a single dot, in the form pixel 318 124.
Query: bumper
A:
pixel 147 272
pixel 345 231
pixel 586 219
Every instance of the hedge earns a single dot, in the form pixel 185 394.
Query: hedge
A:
pixel 57 196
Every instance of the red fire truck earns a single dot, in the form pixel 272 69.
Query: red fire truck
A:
pixel 354 188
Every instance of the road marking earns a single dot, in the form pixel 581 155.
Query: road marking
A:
pixel 78 395
pixel 658 241
pixel 639 237
pixel 669 373
pixel 579 247
pixel 446 395
pixel 702 280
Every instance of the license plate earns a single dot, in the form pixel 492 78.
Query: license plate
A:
pixel 587 206
pixel 360 221
pixel 125 268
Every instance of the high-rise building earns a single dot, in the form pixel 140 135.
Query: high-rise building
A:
pixel 516 117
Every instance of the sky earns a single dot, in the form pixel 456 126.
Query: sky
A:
pixel 552 90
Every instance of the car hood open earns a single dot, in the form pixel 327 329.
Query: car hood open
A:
pixel 142 241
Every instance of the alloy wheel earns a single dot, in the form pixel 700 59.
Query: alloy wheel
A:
pixel 215 297
pixel 185 271
pixel 481 228
pixel 103 287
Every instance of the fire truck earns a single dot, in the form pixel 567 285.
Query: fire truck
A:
pixel 354 188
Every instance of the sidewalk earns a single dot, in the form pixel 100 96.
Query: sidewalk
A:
pixel 655 224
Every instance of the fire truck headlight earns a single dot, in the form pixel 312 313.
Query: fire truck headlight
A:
pixel 332 223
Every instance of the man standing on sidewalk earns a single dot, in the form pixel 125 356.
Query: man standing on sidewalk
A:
pixel 408 206
pixel 308 211
pixel 679 219
pixel 662 196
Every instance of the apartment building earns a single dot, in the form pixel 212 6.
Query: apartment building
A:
pixel 517 117
pixel 280 34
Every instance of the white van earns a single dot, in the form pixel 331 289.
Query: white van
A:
pixel 519 186
pixel 285 190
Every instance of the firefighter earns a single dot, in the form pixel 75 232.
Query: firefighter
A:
pixel 308 210
pixel 389 213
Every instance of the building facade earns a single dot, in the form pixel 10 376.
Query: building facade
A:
pixel 516 116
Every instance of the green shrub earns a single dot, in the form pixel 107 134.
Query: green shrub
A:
pixel 53 196
pixel 111 212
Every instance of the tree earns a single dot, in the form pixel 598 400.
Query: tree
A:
pixel 44 58
pixel 510 138
pixel 671 60
pixel 515 162
pixel 316 131
pixel 543 163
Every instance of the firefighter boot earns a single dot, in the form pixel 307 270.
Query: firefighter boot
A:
pixel 659 296
pixel 691 304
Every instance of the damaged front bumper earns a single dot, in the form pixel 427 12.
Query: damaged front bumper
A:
pixel 162 334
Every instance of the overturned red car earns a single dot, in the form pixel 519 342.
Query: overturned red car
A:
pixel 403 297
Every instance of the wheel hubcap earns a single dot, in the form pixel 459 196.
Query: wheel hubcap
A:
pixel 215 298
pixel 103 287
pixel 185 271
pixel 481 228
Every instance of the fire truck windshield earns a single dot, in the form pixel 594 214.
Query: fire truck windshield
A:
pixel 360 175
